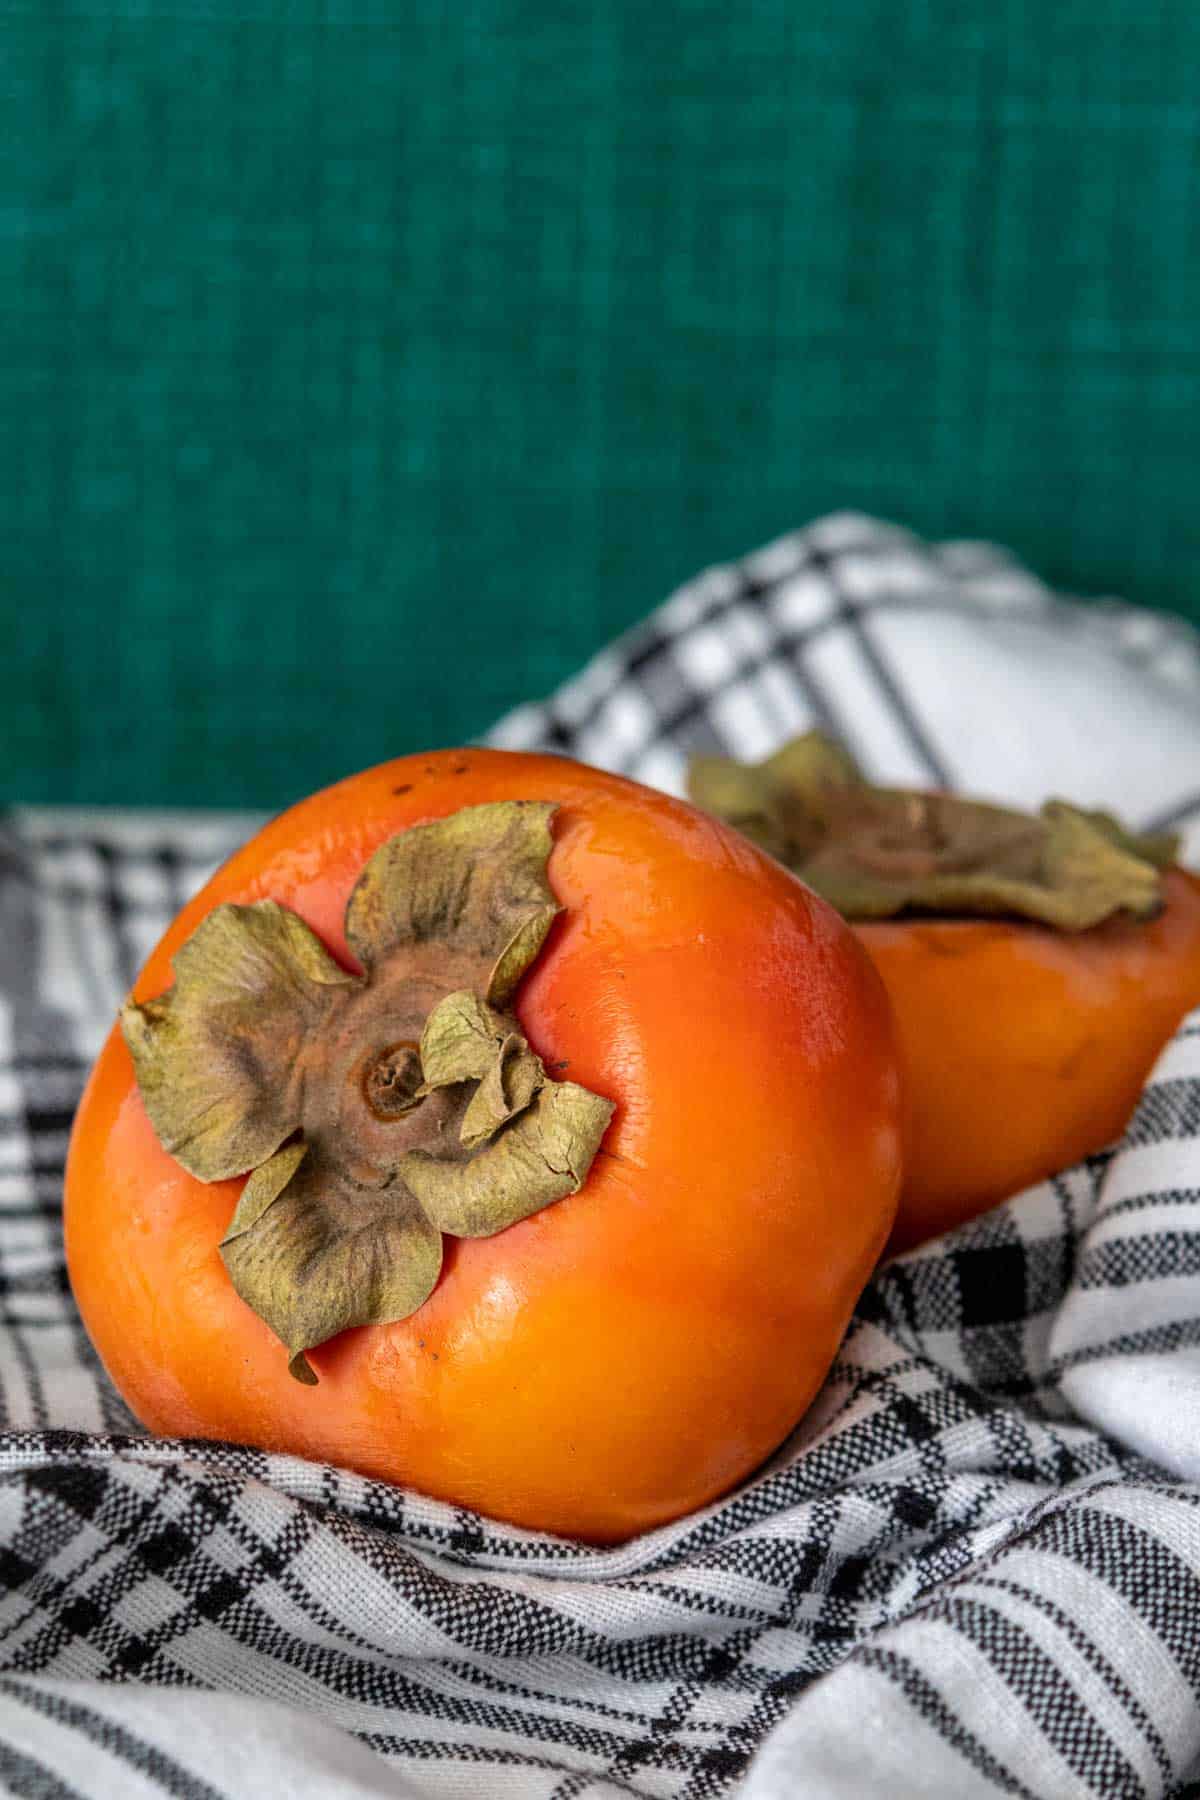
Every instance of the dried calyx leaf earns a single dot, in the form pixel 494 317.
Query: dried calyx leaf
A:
pixel 374 1112
pixel 325 1255
pixel 874 852
pixel 474 883
pixel 221 1093
pixel 543 1156
pixel 466 1040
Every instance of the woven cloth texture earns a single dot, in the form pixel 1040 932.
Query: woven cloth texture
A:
pixel 344 341
pixel 973 1569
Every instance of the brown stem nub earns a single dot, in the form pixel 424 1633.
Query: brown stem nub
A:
pixel 392 1081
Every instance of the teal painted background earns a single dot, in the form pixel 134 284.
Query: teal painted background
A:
pixel 365 366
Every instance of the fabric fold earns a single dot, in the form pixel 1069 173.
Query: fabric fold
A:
pixel 971 1571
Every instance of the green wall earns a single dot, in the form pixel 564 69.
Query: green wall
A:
pixel 366 365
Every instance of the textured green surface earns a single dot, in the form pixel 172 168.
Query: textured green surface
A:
pixel 364 366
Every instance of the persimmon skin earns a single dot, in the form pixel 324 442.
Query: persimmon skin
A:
pixel 1024 1049
pixel 630 1352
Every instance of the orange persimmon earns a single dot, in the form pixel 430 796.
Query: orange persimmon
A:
pixel 1036 964
pixel 1024 1048
pixel 629 1351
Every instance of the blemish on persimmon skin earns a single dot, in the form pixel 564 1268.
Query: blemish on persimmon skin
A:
pixel 1078 1059
pixel 406 787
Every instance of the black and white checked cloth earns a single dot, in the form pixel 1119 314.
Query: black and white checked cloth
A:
pixel 975 1569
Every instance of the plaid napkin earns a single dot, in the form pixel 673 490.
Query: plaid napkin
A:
pixel 975 1568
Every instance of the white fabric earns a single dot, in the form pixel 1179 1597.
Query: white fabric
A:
pixel 973 1570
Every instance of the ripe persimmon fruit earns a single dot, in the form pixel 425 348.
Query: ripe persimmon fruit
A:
pixel 1025 1048
pixel 1035 966
pixel 596 1095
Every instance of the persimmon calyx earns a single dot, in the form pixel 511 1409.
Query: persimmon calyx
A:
pixel 873 852
pixel 372 1113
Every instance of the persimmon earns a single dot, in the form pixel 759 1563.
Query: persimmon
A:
pixel 496 1126
pixel 1024 1048
pixel 1036 966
